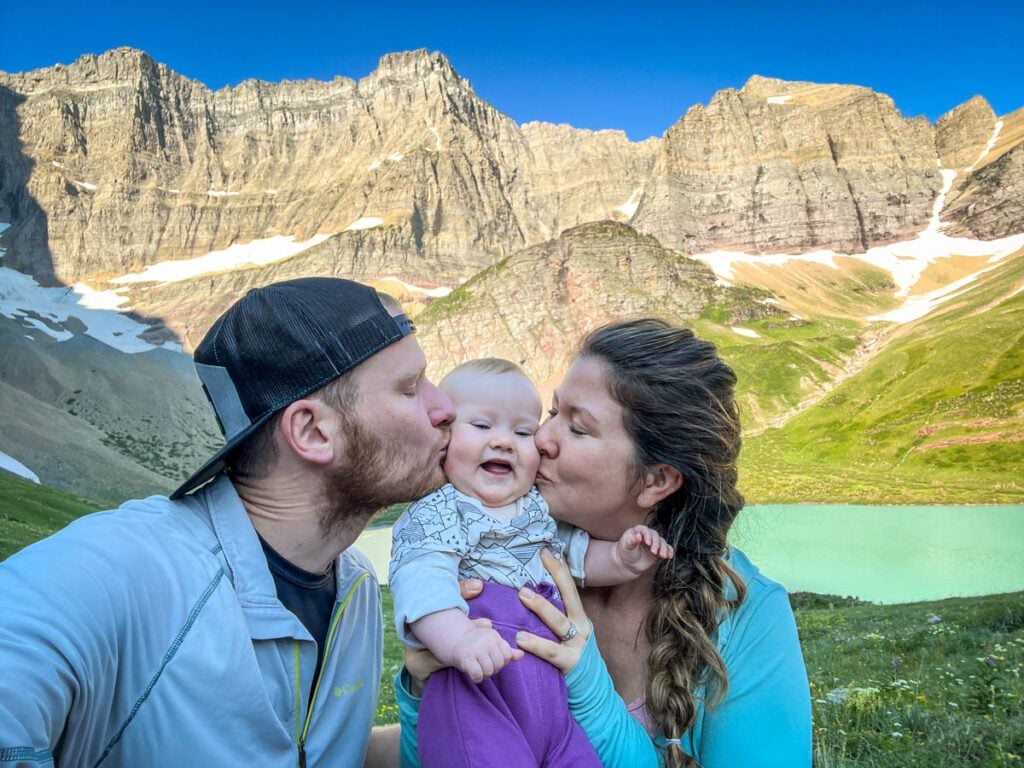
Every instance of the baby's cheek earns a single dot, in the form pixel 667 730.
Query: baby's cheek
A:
pixel 529 458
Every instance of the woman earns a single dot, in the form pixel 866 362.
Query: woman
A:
pixel 702 656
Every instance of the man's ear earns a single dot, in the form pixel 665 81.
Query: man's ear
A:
pixel 310 429
pixel 659 482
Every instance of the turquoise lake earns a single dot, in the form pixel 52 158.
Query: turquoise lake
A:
pixel 882 554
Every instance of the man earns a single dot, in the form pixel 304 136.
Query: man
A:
pixel 232 624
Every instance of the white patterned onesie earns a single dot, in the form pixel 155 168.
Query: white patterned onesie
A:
pixel 448 536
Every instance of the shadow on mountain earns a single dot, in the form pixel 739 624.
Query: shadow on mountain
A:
pixel 26 241
pixel 82 414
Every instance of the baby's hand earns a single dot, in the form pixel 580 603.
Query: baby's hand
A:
pixel 641 547
pixel 480 653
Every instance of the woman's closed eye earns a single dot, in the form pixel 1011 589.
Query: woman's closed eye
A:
pixel 573 427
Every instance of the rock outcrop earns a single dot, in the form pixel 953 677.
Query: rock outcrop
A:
pixel 961 133
pixel 988 201
pixel 782 166
pixel 534 307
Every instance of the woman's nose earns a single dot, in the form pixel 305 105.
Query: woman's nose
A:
pixel 544 438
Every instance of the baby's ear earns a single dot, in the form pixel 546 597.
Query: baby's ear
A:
pixel 660 481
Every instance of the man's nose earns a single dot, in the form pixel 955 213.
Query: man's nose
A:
pixel 440 408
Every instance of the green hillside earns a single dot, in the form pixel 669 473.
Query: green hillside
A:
pixel 936 416
pixel 29 512
pixel 892 686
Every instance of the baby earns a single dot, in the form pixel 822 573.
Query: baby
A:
pixel 489 522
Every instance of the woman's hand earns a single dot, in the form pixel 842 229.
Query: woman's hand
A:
pixel 420 662
pixel 573 627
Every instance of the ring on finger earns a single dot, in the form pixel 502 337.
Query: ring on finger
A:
pixel 571 632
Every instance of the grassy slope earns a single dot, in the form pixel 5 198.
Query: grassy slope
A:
pixel 29 512
pixel 935 417
pixel 892 690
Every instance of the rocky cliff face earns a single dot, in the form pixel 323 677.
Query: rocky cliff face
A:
pixel 117 162
pixel 987 200
pixel 961 134
pixel 791 166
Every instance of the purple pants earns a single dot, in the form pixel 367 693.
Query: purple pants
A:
pixel 518 717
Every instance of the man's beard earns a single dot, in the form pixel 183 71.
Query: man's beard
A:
pixel 366 482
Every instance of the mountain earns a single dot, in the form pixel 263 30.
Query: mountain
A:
pixel 116 162
pixel 813 232
pixel 534 306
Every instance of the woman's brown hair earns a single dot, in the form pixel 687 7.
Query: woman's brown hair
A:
pixel 678 403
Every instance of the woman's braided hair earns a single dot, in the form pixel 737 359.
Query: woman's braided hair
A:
pixel 677 397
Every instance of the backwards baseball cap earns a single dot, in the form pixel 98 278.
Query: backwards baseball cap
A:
pixel 278 344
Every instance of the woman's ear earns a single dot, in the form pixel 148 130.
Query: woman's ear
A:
pixel 309 429
pixel 659 482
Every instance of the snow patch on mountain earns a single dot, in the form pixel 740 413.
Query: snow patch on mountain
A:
pixel 905 261
pixel 988 147
pixel 917 307
pixel 434 293
pixel 367 222
pixel 15 467
pixel 629 207
pixel 722 262
pixel 49 310
pixel 256 252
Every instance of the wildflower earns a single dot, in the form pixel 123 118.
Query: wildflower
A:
pixel 934 619
pixel 837 696
pixel 990 661
pixel 895 663
pixel 897 735
pixel 953 705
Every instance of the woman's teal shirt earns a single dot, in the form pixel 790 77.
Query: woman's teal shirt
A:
pixel 763 721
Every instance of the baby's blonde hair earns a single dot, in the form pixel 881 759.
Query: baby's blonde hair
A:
pixel 485 365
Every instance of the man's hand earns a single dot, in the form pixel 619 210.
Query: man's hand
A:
pixel 641 547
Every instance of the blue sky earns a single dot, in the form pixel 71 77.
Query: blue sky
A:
pixel 636 66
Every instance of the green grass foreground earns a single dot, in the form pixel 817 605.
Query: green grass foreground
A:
pixel 934 684
pixel 29 512
pixel 920 684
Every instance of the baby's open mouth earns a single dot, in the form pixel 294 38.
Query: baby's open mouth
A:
pixel 497 466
